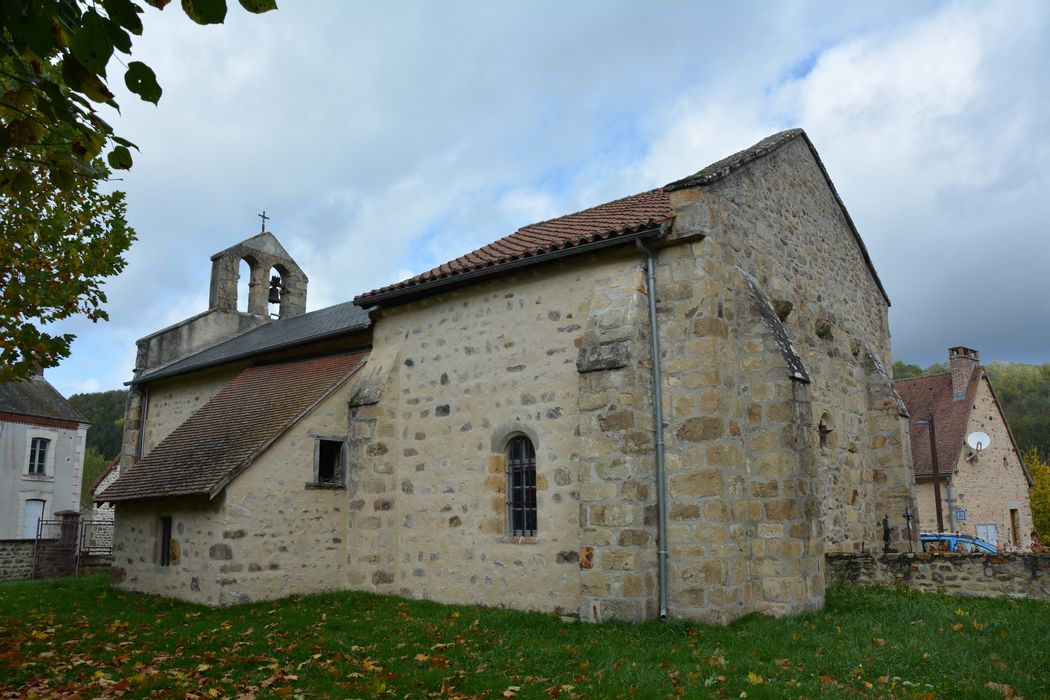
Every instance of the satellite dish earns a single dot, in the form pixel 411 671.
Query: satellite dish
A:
pixel 978 441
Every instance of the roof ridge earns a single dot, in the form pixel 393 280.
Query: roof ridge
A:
pixel 591 208
pixel 924 376
pixel 601 222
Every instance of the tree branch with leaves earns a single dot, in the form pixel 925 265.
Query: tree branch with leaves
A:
pixel 60 236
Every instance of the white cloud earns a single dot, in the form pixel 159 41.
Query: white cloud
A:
pixel 383 139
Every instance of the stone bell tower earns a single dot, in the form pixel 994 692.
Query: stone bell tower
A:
pixel 263 253
pixel 275 278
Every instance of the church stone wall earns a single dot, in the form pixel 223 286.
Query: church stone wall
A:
pixel 450 380
pixel 266 536
pixel 778 221
pixel 197 524
pixel 189 336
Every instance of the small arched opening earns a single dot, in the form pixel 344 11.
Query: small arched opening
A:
pixel 275 294
pixel 244 281
pixel 521 487
pixel 826 437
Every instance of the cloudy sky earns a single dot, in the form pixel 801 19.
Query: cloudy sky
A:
pixel 384 138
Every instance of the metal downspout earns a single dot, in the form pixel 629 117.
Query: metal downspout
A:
pixel 952 526
pixel 658 411
pixel 141 445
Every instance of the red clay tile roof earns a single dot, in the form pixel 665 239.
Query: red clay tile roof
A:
pixel 603 222
pixel 226 434
pixel 105 472
pixel 933 394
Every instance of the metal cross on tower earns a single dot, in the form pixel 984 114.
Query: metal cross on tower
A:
pixel 264 217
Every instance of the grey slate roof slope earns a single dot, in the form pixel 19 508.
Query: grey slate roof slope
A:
pixel 283 333
pixel 36 397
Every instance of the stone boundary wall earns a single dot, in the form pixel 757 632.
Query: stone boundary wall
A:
pixel 16 559
pixel 1011 575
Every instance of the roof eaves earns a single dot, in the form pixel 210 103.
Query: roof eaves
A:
pixel 221 484
pixel 1009 430
pixel 172 371
pixel 105 472
pixel 645 230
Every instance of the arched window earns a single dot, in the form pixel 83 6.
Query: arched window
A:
pixel 521 487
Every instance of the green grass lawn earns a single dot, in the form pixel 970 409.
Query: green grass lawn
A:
pixel 68 637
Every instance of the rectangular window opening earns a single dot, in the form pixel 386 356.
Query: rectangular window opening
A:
pixel 329 462
pixel 165 540
pixel 38 456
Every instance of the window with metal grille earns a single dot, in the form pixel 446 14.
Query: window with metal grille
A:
pixel 165 540
pixel 521 488
pixel 38 456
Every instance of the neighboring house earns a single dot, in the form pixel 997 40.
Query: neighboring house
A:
pixel 104 514
pixel 485 432
pixel 984 492
pixel 41 455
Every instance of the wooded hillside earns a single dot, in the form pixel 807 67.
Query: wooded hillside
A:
pixel 105 410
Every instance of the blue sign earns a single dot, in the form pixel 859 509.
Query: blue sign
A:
pixel 960 515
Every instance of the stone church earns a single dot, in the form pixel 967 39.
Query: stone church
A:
pixel 672 404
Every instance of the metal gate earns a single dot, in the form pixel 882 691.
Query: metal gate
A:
pixel 63 544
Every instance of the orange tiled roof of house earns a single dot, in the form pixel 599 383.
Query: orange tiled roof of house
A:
pixel 934 394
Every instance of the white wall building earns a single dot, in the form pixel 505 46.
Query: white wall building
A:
pixel 42 442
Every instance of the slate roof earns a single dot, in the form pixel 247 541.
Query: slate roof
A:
pixel 933 394
pixel 231 430
pixel 36 397
pixel 275 335
pixel 603 223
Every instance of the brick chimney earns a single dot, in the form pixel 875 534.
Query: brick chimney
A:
pixel 963 362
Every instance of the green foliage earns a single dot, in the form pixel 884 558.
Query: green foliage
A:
pixel 1040 493
pixel 1024 391
pixel 94 463
pixel 54 56
pixel 79 637
pixel 105 410
pixel 58 240
pixel 902 370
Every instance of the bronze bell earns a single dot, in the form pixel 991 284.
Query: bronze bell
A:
pixel 275 290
